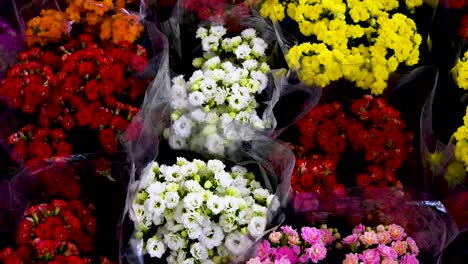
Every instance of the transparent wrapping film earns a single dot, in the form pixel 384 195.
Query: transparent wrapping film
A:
pixel 424 219
pixel 73 188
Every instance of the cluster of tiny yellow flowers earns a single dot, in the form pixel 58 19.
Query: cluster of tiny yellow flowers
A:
pixel 461 145
pixel 460 72
pixel 49 26
pixel 115 24
pixel 356 40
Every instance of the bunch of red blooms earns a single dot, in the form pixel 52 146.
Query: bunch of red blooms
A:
pixel 56 232
pixel 80 85
pixel 370 132
pixel 461 5
pixel 217 10
pixel 37 144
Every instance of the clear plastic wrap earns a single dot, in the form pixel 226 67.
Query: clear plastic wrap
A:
pixel 78 182
pixel 271 162
pixel 424 218
pixel 324 42
pixel 283 100
pixel 116 52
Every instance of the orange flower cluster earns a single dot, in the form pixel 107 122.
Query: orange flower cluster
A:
pixel 49 26
pixel 114 23
pixel 121 27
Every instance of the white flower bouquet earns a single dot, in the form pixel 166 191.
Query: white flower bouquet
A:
pixel 197 212
pixel 217 105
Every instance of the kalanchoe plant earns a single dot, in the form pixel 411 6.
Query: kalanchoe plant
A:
pixel 82 85
pixel 218 105
pixel 57 232
pixel 198 212
pixel 383 244
pixel 370 132
pixel 288 246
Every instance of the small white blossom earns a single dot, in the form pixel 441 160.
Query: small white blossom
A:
pixel 215 165
pixel 261 194
pixel 199 252
pixel 236 243
pixel 228 222
pixel 208 86
pixel 210 43
pixel 211 63
pixel 155 205
pixel 191 220
pixel 156 188
pixel 231 204
pixel 178 91
pixel 179 81
pixel 193 201
pixel 176 142
pixel 248 33
pixel 218 31
pixel 137 213
pixel 257 226
pixel 179 103
pixel 238 102
pixel 174 241
pixel 196 98
pixel 202 32
pixel 196 76
pixel 171 199
pixel 242 51
pixel 224 178
pixel 250 64
pixel 212 237
pixel 155 248
pixel 215 204
pixel 182 127
pixel 198 115
pixel 195 232
pixel 245 216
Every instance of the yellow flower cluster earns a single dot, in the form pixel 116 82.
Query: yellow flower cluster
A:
pixel 460 72
pixel 121 27
pixel 49 26
pixel 358 40
pixel 461 145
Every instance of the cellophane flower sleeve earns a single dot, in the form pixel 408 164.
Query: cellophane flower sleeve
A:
pixel 424 217
pixel 443 141
pixel 277 103
pixel 325 42
pixel 82 78
pixel 63 211
pixel 263 163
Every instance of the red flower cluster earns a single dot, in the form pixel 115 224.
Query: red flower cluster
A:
pixel 373 134
pixel 457 4
pixel 54 233
pixel 217 10
pixel 36 144
pixel 79 85
pixel 463 28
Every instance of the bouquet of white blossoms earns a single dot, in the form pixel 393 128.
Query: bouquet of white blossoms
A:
pixel 198 211
pixel 217 105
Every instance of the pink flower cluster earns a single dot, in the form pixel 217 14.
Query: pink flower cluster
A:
pixel 382 245
pixel 286 246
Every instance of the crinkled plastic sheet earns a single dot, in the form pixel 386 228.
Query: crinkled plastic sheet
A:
pixel 271 161
pixel 286 100
pixel 107 194
pixel 152 39
pixel 424 218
